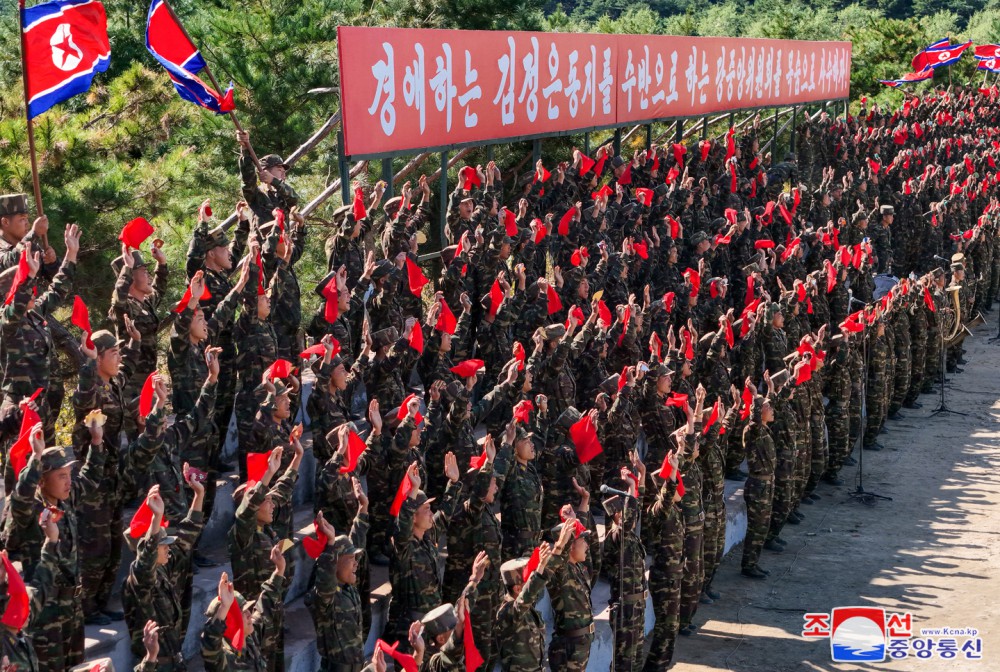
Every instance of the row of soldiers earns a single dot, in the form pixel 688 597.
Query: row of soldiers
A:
pixel 647 324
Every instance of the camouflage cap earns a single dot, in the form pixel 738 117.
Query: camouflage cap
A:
pixel 439 620
pixel 119 262
pixel 13 204
pixel 216 238
pixel 382 269
pixel 391 207
pixel 569 417
pixel 384 337
pixel 343 545
pixel 341 213
pixel 421 498
pixel 698 238
pixel 57 457
pixel 512 571
pixel 553 331
pixel 105 340
pixel 272 160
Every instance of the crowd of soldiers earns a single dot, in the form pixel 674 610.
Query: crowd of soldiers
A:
pixel 646 326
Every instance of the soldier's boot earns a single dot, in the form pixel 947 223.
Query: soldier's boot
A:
pixel 753 572
pixel 774 546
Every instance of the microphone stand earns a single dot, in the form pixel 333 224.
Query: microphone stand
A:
pixel 943 407
pixel 860 494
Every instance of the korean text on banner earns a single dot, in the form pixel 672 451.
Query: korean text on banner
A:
pixel 408 89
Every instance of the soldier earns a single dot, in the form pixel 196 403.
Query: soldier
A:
pixel 257 643
pixel 47 482
pixel 15 637
pixel 344 247
pixel 521 491
pixel 212 254
pixel 152 590
pixel 878 359
pixel 475 532
pixel 334 602
pixel 15 234
pixel 759 489
pixel 667 569
pixel 272 171
pixel 520 630
pixel 444 626
pixel 624 565
pixel 570 586
pixel 107 369
pixel 138 298
pixel 252 539
pixel 415 546
pixel 27 344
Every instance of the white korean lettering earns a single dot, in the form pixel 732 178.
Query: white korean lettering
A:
pixel 384 73
pixel 506 98
pixel 471 92
pixel 413 85
pixel 555 83
pixel 443 85
pixel 529 87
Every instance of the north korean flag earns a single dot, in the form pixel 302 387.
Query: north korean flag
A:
pixel 170 45
pixel 909 78
pixel 984 51
pixel 937 58
pixel 989 65
pixel 65 43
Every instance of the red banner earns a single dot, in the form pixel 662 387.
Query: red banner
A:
pixel 406 89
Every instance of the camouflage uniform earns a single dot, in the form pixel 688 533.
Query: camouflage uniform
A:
pixel 152 592
pixel 665 576
pixel 286 300
pixel 26 346
pixel 901 346
pixel 336 609
pixel 58 637
pixel 520 630
pixel 569 589
pixel 250 547
pixel 520 493
pixel 694 531
pixel 220 656
pixel 413 566
pixel 878 359
pixel 759 489
pixel 625 570
pixel 472 529
pixel 16 647
pixel 837 410
pixel 264 198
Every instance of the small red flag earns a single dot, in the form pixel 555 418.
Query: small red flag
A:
pixel 416 277
pixel 694 279
pixel 281 368
pixel 319 350
pixel 234 626
pixel 510 223
pixel 668 302
pixel 747 403
pixel 314 546
pixel 564 221
pixel 680 486
pixel 586 163
pixel 626 177
pixel 468 368
pixel 519 355
pixel 81 318
pixel 764 244
pixel 355 446
pixel 604 313
pixel 584 437
pixel 626 318
pixel 533 562
pixel 688 345
pixel 712 418
pixel 446 320
pixel 641 249
pixel 730 339
pixel 407 662
pixel 256 466
pixel 522 411
pixel 21 449
pixel 473 659
pixel 644 196
pixel 135 232
pixel 20 275
pixel 666 469
pixel 401 414
pixel 675 227
pixel 540 231
pixel 182 304
pixel 15 616
pixel 141 521
pixel 656 345
pixel 358 207
pixel 405 487
pixel 417 337
pixel 331 306
pixel 146 397
pixel 928 301
pixel 554 302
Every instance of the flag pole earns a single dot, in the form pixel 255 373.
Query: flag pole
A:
pixel 27 115
pixel 211 78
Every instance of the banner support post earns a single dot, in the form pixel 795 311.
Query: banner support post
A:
pixel 774 137
pixel 345 171
pixel 679 131
pixel 443 196
pixel 616 142
pixel 586 143
pixel 795 111
pixel 35 183
pixel 536 152
pixel 704 128
pixel 649 136
pixel 489 153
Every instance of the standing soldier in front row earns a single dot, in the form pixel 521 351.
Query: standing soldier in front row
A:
pixel 759 488
pixel 520 630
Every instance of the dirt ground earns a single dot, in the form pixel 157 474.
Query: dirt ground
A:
pixel 934 550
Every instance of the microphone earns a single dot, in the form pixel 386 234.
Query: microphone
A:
pixel 947 261
pixel 608 490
